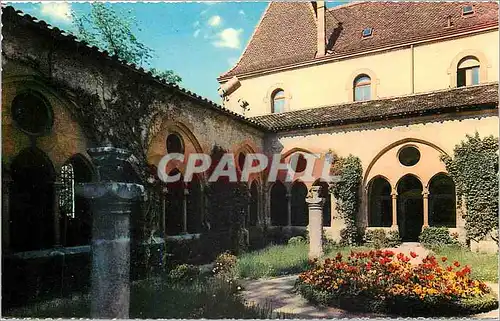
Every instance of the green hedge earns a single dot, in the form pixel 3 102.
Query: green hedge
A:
pixel 436 236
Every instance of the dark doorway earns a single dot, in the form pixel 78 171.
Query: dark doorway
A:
pixel 380 203
pixel 410 208
pixel 32 201
pixel 300 215
pixel 279 205
pixel 174 218
pixel 442 201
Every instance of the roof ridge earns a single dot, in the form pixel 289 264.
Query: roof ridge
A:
pixel 351 3
pixel 491 83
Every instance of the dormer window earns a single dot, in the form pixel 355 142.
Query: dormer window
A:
pixel 278 101
pixel 367 32
pixel 467 10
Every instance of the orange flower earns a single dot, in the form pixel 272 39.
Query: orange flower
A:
pixel 413 254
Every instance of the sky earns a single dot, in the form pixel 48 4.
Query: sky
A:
pixel 197 40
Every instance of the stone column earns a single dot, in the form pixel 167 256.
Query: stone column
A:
pixel 57 214
pixel 112 205
pixel 315 204
pixel 184 211
pixel 394 210
pixel 289 207
pixel 425 196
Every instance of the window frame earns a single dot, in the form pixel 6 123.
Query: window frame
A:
pixel 470 74
pixel 281 99
pixel 364 84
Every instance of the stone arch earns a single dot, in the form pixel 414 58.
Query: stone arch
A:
pixel 442 201
pixel 76 225
pixel 279 204
pixel 410 211
pixel 484 65
pixel 379 191
pixel 368 173
pixel 363 71
pixel 32 201
pixel 298 194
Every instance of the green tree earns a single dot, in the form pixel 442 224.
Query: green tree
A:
pixel 112 31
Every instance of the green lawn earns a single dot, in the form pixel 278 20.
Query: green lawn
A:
pixel 484 266
pixel 278 260
pixel 207 298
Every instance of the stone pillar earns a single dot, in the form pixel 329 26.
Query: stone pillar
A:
pixel 184 211
pixel 394 210
pixel 57 214
pixel 425 196
pixel 112 205
pixel 315 204
pixel 289 207
pixel 6 183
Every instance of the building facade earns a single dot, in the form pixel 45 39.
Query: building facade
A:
pixel 396 84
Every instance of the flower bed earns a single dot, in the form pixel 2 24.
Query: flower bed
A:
pixel 381 281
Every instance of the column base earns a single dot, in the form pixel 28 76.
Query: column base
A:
pixel 394 227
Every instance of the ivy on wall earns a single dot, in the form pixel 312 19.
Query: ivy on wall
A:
pixel 474 170
pixel 347 194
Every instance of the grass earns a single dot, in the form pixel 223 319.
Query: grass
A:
pixel 157 298
pixel 484 266
pixel 280 260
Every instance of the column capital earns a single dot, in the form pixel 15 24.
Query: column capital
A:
pixel 425 192
pixel 394 195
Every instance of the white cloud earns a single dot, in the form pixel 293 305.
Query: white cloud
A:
pixel 203 12
pixel 209 3
pixel 196 33
pixel 241 12
pixel 232 61
pixel 228 38
pixel 196 24
pixel 214 21
pixel 57 10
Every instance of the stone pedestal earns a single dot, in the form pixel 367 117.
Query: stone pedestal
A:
pixel 315 204
pixel 112 205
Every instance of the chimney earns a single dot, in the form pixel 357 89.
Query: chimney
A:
pixel 320 19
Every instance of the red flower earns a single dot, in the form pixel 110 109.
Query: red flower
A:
pixel 456 263
pixel 413 254
pixel 444 259
pixel 449 268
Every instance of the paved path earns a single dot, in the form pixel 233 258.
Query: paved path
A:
pixel 278 294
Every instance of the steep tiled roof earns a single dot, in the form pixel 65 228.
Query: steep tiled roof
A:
pixel 10 14
pixel 287 32
pixel 450 100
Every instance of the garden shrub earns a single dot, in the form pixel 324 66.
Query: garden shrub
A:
pixel 380 239
pixel 394 239
pixel 224 263
pixel 184 273
pixel 381 281
pixel 436 236
pixel 297 240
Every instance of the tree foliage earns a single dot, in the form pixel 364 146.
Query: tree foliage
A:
pixel 113 31
pixel 474 170
pixel 347 194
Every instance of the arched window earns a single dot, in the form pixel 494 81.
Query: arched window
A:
pixel 32 114
pixel 468 71
pixel 442 199
pixel 362 88
pixel 175 144
pixel 278 101
pixel 279 205
pixel 380 203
